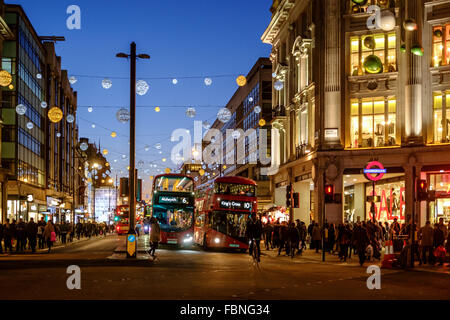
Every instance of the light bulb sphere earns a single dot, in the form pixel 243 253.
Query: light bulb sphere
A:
pixel 257 109
pixel 5 78
pixel 38 76
pixel 72 80
pixel 157 109
pixel 387 20
pixel 58 135
pixel 21 109
pixel 113 134
pixel 105 152
pixel 224 115
pixel 106 83
pixel 410 25
pixel 70 118
pixel 30 125
pixel 158 146
pixel 208 81
pixel 241 81
pixel 141 87
pixel 90 109
pixel 123 115
pixel 262 123
pixel 44 105
pixel 190 112
pixel 278 85
pixel 84 146
pixel 174 81
pixel 55 114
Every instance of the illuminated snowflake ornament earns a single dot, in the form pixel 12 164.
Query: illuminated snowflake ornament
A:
pixel 190 112
pixel 39 76
pixel 21 109
pixel 257 109
pixel 123 115
pixel 141 87
pixel 250 99
pixel 106 83
pixel 44 105
pixel 30 125
pixel 174 81
pixel 224 115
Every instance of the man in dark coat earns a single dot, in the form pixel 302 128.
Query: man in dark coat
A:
pixel 360 240
pixel 283 238
pixel 31 230
pixel 302 233
pixel 254 231
pixel 438 240
pixel 293 238
pixel 21 236
pixel 7 235
pixel 268 229
pixel 310 230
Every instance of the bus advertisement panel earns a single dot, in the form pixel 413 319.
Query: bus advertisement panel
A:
pixel 222 213
pixel 173 207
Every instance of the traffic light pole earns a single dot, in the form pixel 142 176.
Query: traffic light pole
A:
pixel 323 218
pixel 413 217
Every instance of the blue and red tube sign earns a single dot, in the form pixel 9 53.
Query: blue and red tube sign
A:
pixel 374 171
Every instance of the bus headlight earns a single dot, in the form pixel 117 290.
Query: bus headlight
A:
pixel 216 240
pixel 188 239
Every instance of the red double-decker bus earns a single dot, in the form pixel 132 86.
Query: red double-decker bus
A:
pixel 222 212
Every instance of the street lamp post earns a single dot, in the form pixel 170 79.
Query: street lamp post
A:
pixel 131 236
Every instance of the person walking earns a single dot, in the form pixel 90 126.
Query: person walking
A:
pixel 360 240
pixel 426 241
pixel 79 229
pixel 21 236
pixel 316 236
pixel 267 230
pixel 31 231
pixel 276 235
pixel 331 238
pixel 40 233
pixel 438 242
pixel 302 233
pixel 50 234
pixel 8 236
pixel 13 228
pixel 63 229
pixel 343 241
pixel 310 230
pixel 283 238
pixel 155 236
pixel 293 239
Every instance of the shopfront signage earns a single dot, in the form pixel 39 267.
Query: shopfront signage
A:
pixel 374 171
pixel 176 200
pixel 331 133
pixel 240 205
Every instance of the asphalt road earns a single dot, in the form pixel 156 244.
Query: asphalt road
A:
pixel 196 274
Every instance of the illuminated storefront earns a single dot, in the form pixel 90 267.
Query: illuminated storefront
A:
pixel 389 200
pixel 439 204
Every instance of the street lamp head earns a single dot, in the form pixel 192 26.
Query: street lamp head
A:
pixel 143 56
pixel 121 55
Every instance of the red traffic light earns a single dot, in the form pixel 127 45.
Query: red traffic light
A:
pixel 329 189
pixel 422 185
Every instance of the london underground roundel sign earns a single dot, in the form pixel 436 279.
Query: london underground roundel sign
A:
pixel 374 171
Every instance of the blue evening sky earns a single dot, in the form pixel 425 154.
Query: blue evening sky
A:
pixel 183 38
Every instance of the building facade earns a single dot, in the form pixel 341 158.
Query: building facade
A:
pixel 352 95
pixel 251 111
pixel 38 153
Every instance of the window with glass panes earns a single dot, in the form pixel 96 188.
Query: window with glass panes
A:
pixel 441 116
pixel 383 45
pixel 441 45
pixel 373 122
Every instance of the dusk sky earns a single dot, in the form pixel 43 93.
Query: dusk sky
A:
pixel 183 38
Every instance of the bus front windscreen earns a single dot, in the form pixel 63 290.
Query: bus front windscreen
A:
pixel 233 224
pixel 173 219
pixel 235 189
pixel 174 183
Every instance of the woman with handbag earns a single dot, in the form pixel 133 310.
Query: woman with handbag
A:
pixel 49 234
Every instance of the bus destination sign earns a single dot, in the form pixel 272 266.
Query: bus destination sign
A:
pixel 231 204
pixel 175 200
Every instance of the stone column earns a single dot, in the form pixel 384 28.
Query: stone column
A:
pixel 332 103
pixel 413 70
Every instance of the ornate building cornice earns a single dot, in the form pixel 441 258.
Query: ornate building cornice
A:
pixel 280 16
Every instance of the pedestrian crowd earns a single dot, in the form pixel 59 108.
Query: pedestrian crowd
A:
pixel 365 239
pixel 24 236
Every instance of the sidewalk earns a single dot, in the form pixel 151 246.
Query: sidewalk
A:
pixel 310 256
pixel 58 244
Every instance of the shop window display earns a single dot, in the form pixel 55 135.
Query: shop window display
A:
pixel 373 53
pixel 440 207
pixel 441 116
pixel 377 119
pixel 441 45
pixel 390 201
